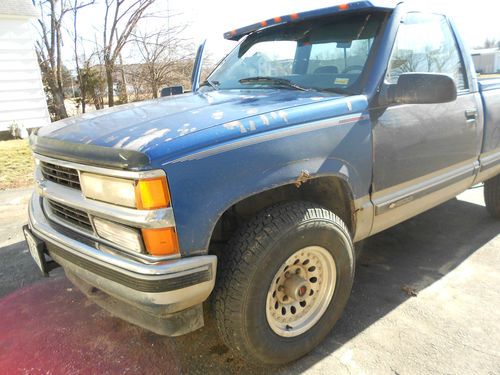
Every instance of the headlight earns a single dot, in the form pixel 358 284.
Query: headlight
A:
pixel 126 237
pixel 141 194
pixel 147 194
pixel 114 190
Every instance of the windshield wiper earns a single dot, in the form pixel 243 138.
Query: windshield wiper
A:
pixel 272 81
pixel 212 84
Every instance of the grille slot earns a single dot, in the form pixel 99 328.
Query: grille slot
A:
pixel 71 215
pixel 60 175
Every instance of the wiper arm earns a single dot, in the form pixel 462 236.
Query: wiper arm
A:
pixel 288 83
pixel 212 84
pixel 273 81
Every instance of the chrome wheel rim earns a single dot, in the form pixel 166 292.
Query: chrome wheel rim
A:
pixel 301 291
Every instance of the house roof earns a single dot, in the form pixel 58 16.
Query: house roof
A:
pixel 23 8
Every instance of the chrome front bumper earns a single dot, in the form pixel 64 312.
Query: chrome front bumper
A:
pixel 157 291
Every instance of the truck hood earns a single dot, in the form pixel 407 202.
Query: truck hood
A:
pixel 176 124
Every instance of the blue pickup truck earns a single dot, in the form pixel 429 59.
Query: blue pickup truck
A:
pixel 317 131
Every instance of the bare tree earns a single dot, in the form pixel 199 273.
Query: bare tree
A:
pixel 90 78
pixel 160 51
pixel 136 79
pixel 49 47
pixel 81 82
pixel 490 43
pixel 94 82
pixel 91 82
pixel 120 19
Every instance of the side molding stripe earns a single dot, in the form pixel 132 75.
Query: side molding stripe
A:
pixel 490 161
pixel 271 135
pixel 431 186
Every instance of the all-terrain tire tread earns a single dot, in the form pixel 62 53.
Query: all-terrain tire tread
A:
pixel 492 196
pixel 238 260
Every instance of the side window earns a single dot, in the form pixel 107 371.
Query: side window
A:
pixel 425 44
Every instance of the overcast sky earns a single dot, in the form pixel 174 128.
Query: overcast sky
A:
pixel 476 20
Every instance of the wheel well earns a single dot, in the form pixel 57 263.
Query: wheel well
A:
pixel 330 192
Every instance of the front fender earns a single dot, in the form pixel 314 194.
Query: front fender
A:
pixel 312 168
pixel 205 185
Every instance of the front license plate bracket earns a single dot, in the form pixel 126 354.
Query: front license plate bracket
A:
pixel 37 248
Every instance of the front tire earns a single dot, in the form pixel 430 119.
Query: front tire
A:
pixel 283 282
pixel 492 196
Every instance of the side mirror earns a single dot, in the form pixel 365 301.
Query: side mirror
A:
pixel 419 88
pixel 172 90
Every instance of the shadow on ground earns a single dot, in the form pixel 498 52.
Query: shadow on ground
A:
pixel 50 327
pixel 17 269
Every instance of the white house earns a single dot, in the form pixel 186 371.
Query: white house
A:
pixel 22 99
pixel 487 60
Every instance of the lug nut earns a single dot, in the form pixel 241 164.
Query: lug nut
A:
pixel 285 298
pixel 287 274
pixel 297 271
pixel 281 288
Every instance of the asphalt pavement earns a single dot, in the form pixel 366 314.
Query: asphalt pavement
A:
pixel 426 300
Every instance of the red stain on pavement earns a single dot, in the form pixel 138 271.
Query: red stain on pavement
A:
pixel 51 328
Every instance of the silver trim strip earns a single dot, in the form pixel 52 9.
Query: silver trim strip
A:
pixel 160 218
pixel 40 226
pixel 490 165
pixel 103 171
pixel 395 216
pixel 271 135
pixel 489 160
pixel 402 197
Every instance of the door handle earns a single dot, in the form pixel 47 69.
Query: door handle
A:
pixel 471 114
pixel 471 117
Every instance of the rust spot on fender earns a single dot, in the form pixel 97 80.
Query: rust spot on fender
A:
pixel 303 177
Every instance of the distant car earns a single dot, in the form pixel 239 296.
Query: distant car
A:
pixel 317 131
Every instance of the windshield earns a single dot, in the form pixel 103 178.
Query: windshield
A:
pixel 326 55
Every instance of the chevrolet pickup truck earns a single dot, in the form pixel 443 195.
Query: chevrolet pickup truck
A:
pixel 317 131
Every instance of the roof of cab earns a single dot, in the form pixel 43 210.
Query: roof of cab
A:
pixel 236 34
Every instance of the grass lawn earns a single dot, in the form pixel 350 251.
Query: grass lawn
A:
pixel 16 164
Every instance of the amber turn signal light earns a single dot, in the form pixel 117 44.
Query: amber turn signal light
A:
pixel 162 241
pixel 152 194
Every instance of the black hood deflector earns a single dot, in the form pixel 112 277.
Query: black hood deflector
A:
pixel 90 154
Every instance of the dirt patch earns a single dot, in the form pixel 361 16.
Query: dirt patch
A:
pixel 410 292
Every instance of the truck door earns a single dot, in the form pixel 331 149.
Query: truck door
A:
pixel 424 154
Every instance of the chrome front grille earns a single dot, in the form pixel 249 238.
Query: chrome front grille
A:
pixel 60 175
pixel 71 215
